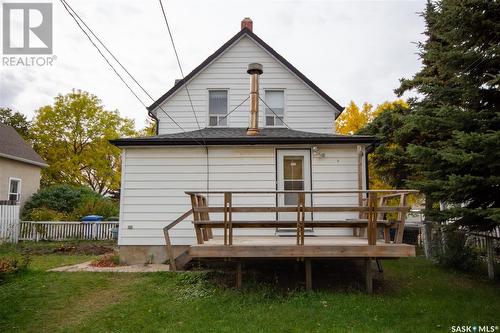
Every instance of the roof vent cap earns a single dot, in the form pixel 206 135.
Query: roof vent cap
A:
pixel 255 68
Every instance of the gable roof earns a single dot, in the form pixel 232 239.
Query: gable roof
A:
pixel 238 136
pixel 249 33
pixel 13 146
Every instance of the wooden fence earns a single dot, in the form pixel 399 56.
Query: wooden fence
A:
pixel 9 221
pixel 62 230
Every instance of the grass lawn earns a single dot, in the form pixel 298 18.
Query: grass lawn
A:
pixel 418 297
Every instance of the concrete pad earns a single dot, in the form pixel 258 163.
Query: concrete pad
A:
pixel 86 267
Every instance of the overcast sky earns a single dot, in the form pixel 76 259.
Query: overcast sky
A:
pixel 352 50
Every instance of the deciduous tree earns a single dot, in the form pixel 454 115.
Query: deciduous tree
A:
pixel 366 120
pixel 72 136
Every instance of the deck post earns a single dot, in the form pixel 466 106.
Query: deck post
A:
pixel 196 217
pixel 308 275
pixel 372 219
pixel 368 276
pixel 228 227
pixel 206 217
pixel 201 216
pixel 301 216
pixel 239 275
pixel 402 217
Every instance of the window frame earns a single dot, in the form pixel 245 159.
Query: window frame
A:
pixel 19 188
pixel 272 114
pixel 218 116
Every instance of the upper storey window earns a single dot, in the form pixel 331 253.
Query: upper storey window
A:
pixel 217 107
pixel 275 99
pixel 14 189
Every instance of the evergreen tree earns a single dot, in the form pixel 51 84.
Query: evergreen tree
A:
pixel 451 136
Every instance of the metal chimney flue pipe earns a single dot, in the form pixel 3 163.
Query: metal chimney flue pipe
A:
pixel 254 70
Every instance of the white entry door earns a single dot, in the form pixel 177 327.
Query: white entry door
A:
pixel 293 174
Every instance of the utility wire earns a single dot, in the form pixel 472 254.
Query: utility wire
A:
pixel 71 11
pixel 227 115
pixel 180 66
pixel 100 52
pixel 279 117
pixel 475 63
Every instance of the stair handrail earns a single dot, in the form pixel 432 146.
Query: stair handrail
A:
pixel 168 243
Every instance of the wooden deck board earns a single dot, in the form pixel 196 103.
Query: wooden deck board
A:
pixel 285 247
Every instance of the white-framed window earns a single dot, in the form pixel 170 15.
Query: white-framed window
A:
pixel 217 107
pixel 14 189
pixel 275 99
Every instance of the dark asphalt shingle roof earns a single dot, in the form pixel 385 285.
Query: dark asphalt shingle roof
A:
pixel 238 136
pixel 13 146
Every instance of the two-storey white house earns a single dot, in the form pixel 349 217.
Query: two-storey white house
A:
pixel 204 143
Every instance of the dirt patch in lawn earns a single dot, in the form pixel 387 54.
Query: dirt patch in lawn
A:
pixel 68 248
pixel 86 249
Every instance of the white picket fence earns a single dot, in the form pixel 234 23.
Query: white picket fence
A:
pixel 64 230
pixel 9 222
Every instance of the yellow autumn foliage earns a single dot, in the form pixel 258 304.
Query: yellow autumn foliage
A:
pixel 353 119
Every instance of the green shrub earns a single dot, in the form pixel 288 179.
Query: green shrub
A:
pixel 452 251
pixel 13 265
pixel 59 198
pixel 45 214
pixel 105 207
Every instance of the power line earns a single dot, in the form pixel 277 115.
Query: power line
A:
pixel 279 117
pixel 179 63
pixel 71 11
pixel 227 115
pixel 100 52
pixel 476 62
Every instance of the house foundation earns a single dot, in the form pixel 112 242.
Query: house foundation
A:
pixel 145 254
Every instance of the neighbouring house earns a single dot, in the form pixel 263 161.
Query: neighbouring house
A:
pixel 290 144
pixel 20 166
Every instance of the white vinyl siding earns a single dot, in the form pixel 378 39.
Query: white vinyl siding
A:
pixel 305 109
pixel 154 181
pixel 337 170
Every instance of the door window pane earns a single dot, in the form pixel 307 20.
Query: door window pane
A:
pixel 293 167
pixel 293 177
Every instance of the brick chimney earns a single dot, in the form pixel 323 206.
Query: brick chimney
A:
pixel 247 23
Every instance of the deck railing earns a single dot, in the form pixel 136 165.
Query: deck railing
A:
pixel 374 210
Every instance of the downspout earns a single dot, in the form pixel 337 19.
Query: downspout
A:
pixel 157 122
pixel 368 151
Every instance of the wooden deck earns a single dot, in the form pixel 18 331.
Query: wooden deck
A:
pixel 285 247
pixel 378 213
